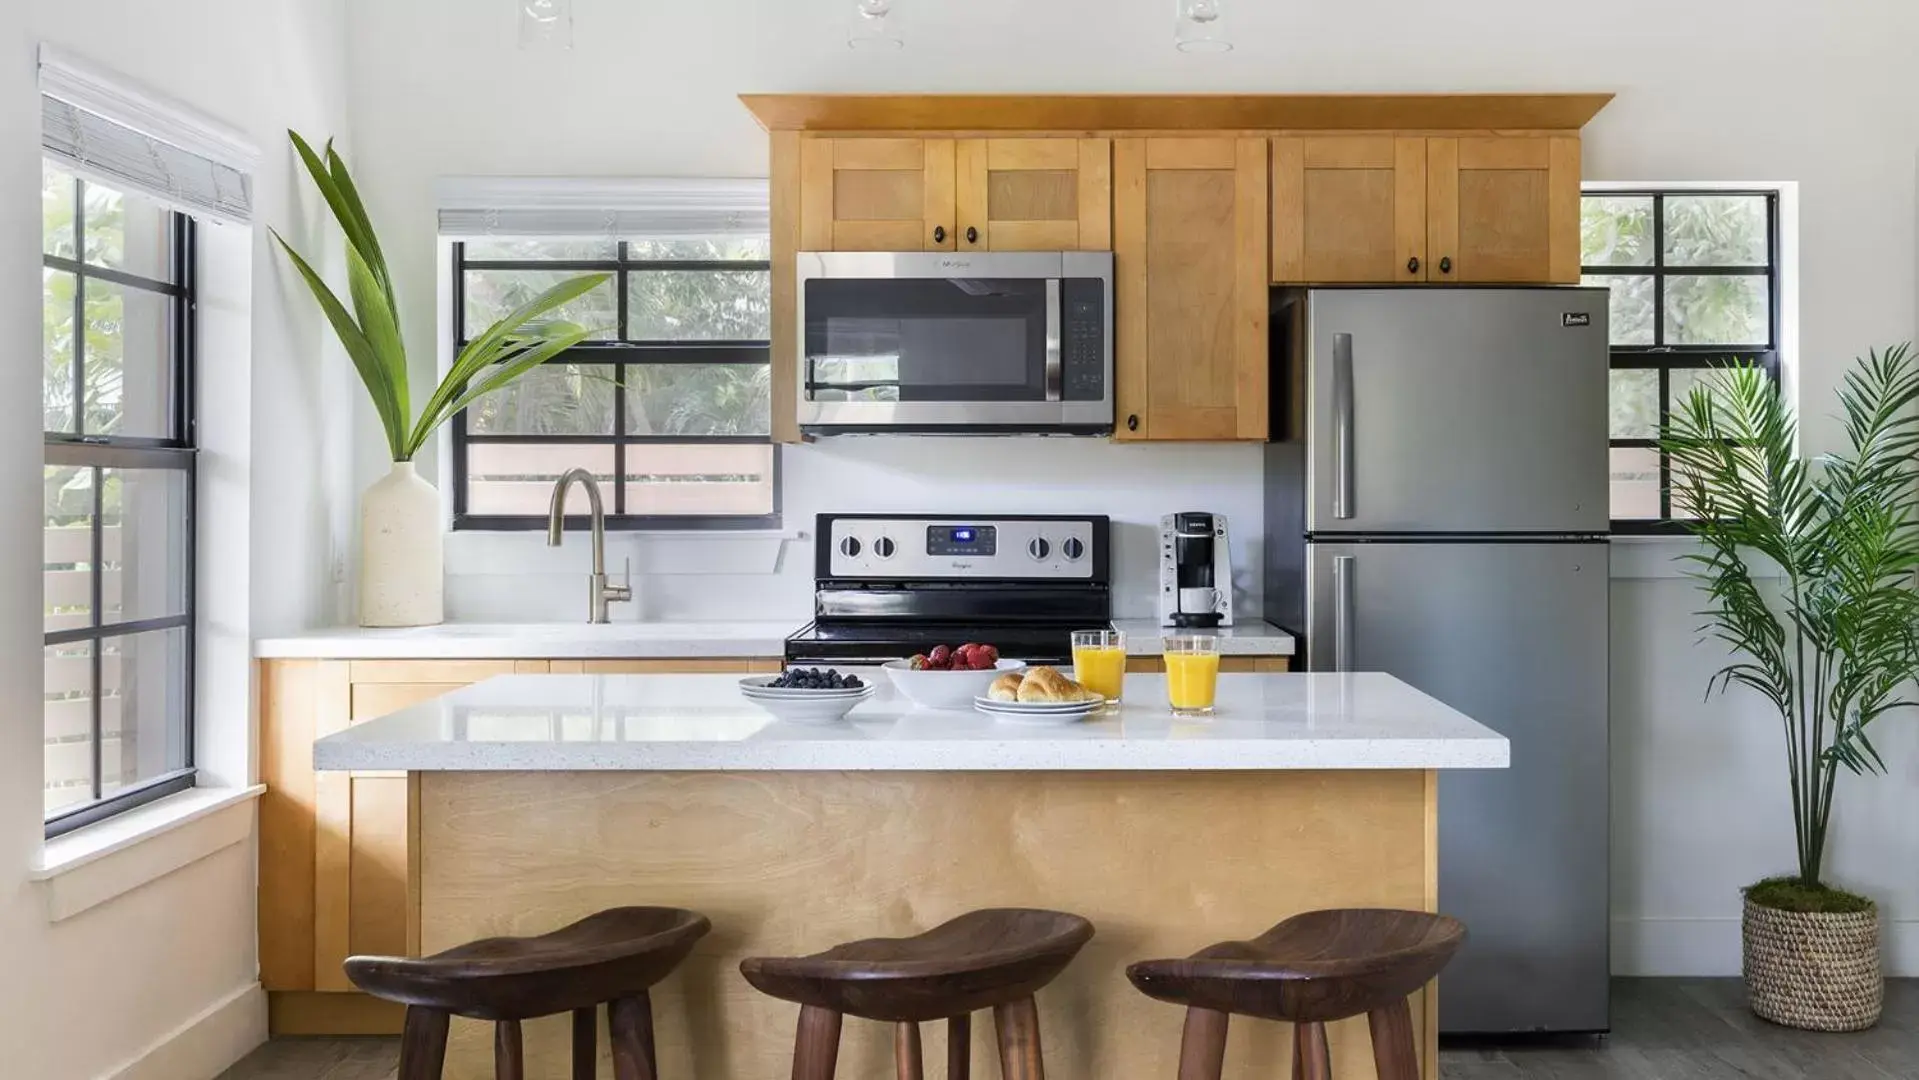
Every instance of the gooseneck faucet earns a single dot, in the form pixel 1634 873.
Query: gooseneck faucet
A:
pixel 599 592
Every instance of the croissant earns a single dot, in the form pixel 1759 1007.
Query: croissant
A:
pixel 1006 687
pixel 1046 684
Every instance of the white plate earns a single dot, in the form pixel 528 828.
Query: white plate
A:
pixel 1037 706
pixel 1051 712
pixel 757 686
pixel 812 710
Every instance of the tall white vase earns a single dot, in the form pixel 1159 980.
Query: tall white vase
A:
pixel 401 558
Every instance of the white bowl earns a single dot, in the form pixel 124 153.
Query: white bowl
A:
pixel 824 709
pixel 945 689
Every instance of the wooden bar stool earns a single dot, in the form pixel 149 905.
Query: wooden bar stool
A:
pixel 611 958
pixel 996 958
pixel 1310 970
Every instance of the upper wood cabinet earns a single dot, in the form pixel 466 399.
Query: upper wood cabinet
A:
pixel 1189 247
pixel 1047 194
pixel 876 195
pixel 1503 209
pixel 1349 208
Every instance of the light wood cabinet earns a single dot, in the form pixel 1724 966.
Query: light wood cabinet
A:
pixel 1190 259
pixel 1503 209
pixel 1349 209
pixel 339 870
pixel 876 195
pixel 1047 194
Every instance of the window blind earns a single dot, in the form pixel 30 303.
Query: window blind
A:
pixel 127 137
pixel 661 208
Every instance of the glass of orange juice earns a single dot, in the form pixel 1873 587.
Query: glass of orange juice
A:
pixel 1099 662
pixel 1192 673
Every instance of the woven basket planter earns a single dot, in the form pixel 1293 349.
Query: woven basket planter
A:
pixel 1813 970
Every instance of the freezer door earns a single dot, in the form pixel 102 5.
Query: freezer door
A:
pixel 1457 410
pixel 1513 635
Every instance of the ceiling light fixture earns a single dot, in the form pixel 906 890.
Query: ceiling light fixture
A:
pixel 874 30
pixel 1198 26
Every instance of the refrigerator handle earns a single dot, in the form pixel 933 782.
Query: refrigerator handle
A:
pixel 1343 613
pixel 1342 425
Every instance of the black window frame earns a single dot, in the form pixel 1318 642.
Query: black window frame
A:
pixel 176 452
pixel 1665 359
pixel 621 354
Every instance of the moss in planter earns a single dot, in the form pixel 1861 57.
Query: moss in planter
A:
pixel 1790 894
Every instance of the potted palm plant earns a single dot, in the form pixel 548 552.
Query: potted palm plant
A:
pixel 1832 648
pixel 400 545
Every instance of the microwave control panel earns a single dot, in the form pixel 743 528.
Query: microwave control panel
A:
pixel 1083 339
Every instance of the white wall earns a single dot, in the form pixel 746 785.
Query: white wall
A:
pixel 1747 90
pixel 94 994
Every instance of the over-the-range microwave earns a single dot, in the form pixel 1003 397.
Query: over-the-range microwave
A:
pixel 949 343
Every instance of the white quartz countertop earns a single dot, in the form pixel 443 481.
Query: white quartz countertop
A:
pixel 670 723
pixel 535 641
pixel 1248 637
pixel 650 640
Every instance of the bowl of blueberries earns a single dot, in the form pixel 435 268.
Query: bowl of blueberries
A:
pixel 807 695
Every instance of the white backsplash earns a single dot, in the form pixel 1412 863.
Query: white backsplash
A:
pixel 515 577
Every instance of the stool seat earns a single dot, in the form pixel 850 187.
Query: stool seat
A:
pixel 979 960
pixel 1315 967
pixel 615 953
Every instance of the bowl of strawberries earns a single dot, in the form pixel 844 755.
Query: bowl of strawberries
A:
pixel 948 677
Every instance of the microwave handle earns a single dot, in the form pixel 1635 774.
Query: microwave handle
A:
pixel 1052 340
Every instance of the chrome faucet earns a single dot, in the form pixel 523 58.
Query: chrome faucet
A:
pixel 599 592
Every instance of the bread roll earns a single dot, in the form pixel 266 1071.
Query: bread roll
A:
pixel 1006 687
pixel 1046 684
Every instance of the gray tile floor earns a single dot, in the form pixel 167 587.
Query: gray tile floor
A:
pixel 1663 1029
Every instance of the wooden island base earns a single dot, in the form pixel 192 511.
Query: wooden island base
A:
pixel 791 862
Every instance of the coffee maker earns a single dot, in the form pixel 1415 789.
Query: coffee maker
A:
pixel 1195 570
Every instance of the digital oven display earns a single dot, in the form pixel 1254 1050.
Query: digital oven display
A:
pixel 960 539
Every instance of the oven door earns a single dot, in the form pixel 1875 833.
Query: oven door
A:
pixel 927 341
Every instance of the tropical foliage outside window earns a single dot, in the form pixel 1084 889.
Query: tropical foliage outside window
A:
pixel 1694 277
pixel 669 405
pixel 117 371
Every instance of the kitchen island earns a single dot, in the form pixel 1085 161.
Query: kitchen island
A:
pixel 542 798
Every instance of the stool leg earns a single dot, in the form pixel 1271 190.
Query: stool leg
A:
pixel 586 1052
pixel 816 1049
pixel 1393 1050
pixel 1311 1061
pixel 423 1044
pixel 629 1027
pixel 959 1047
pixel 908 1063
pixel 1019 1052
pixel 1202 1046
pixel 509 1058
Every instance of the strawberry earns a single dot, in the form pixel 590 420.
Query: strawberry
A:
pixel 918 662
pixel 940 659
pixel 963 656
pixel 985 656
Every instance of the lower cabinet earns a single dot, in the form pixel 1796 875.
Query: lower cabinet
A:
pixel 1228 665
pixel 338 861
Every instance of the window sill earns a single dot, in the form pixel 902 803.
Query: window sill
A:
pixel 89 866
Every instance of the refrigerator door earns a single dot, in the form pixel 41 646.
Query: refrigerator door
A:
pixel 1513 635
pixel 1456 411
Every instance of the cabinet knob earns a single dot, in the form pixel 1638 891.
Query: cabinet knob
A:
pixel 1446 264
pixel 972 235
pixel 939 234
pixel 1412 265
pixel 1132 422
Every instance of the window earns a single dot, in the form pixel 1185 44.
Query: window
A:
pixel 1694 276
pixel 117 316
pixel 670 408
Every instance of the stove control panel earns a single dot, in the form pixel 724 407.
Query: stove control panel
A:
pixel 912 548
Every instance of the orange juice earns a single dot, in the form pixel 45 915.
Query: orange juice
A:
pixel 1191 679
pixel 1100 668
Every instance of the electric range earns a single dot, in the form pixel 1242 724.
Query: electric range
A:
pixel 887 586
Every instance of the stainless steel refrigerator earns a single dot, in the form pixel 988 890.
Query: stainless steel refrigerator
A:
pixel 1437 508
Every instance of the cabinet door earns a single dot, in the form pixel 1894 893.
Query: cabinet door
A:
pixel 876 195
pixel 1035 194
pixel 1349 208
pixel 1503 210
pixel 1190 243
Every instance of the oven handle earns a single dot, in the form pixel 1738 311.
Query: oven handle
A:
pixel 1052 340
